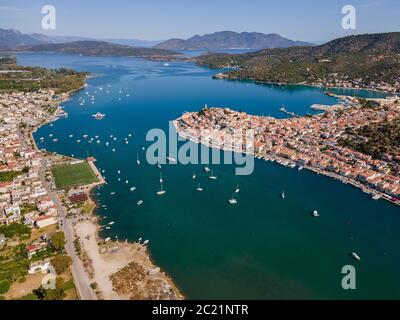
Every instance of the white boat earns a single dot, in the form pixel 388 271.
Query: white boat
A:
pixel 376 197
pixel 237 190
pixel 159 166
pixel 207 169
pixel 300 168
pixel 112 193
pixel 139 202
pixel 283 194
pixel 199 188
pixel 98 115
pixel 85 136
pixel 145 242
pixel 108 228
pixel 315 214
pixel 111 223
pixel 137 159
pixel 194 176
pixel 356 256
pixel 119 171
pixel 171 159
pixel 212 177
pixel 71 136
pixel 166 64
pixel 107 143
pixel 107 239
pixel 78 141
pixel 113 150
pixel 162 191
pixel 132 189
pixel 55 140
pixel 232 200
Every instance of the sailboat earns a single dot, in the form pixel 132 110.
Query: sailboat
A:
pixel 232 200
pixel 137 159
pixel 315 214
pixel 237 190
pixel 162 191
pixel 356 256
pixel 212 177
pixel 159 166
pixel 199 188
pixel 207 169
pixel 194 176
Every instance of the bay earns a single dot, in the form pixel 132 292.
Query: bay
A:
pixel 264 247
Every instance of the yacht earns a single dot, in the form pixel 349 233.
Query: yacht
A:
pixel 112 193
pixel 232 200
pixel 283 194
pixel 199 188
pixel 315 214
pixel 139 202
pixel 111 223
pixel 132 189
pixel 162 191
pixel 171 159
pixel 376 197
pixel 356 256
pixel 212 177
pixel 237 190
pixel 98 115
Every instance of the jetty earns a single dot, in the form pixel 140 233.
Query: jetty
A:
pixel 283 109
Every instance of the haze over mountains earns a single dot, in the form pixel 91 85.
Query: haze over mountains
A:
pixel 10 38
pixel 216 41
pixel 231 40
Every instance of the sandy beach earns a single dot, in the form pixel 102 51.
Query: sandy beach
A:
pixel 103 260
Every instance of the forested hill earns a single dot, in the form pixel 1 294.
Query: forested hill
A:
pixel 369 60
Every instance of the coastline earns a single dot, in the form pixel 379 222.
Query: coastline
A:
pixel 289 163
pixel 145 256
pixel 228 78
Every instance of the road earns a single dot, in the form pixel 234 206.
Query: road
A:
pixel 79 275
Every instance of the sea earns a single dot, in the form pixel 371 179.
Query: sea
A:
pixel 265 247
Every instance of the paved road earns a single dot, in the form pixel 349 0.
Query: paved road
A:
pixel 81 278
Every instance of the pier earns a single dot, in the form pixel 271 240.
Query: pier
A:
pixel 283 109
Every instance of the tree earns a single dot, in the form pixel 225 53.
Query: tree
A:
pixel 4 286
pixel 58 241
pixel 61 263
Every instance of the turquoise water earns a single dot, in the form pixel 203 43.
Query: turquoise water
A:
pixel 264 247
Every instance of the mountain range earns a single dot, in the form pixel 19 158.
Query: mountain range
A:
pixel 231 40
pixel 97 48
pixel 10 38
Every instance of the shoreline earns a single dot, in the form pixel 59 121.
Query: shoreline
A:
pixel 302 84
pixel 95 219
pixel 287 163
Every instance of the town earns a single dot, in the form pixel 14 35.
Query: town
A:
pixel 309 142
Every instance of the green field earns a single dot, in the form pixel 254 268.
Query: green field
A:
pixel 73 175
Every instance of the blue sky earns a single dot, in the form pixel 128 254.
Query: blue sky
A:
pixel 309 20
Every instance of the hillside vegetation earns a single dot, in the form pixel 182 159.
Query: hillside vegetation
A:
pixel 363 59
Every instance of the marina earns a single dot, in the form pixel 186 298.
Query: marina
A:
pixel 263 237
